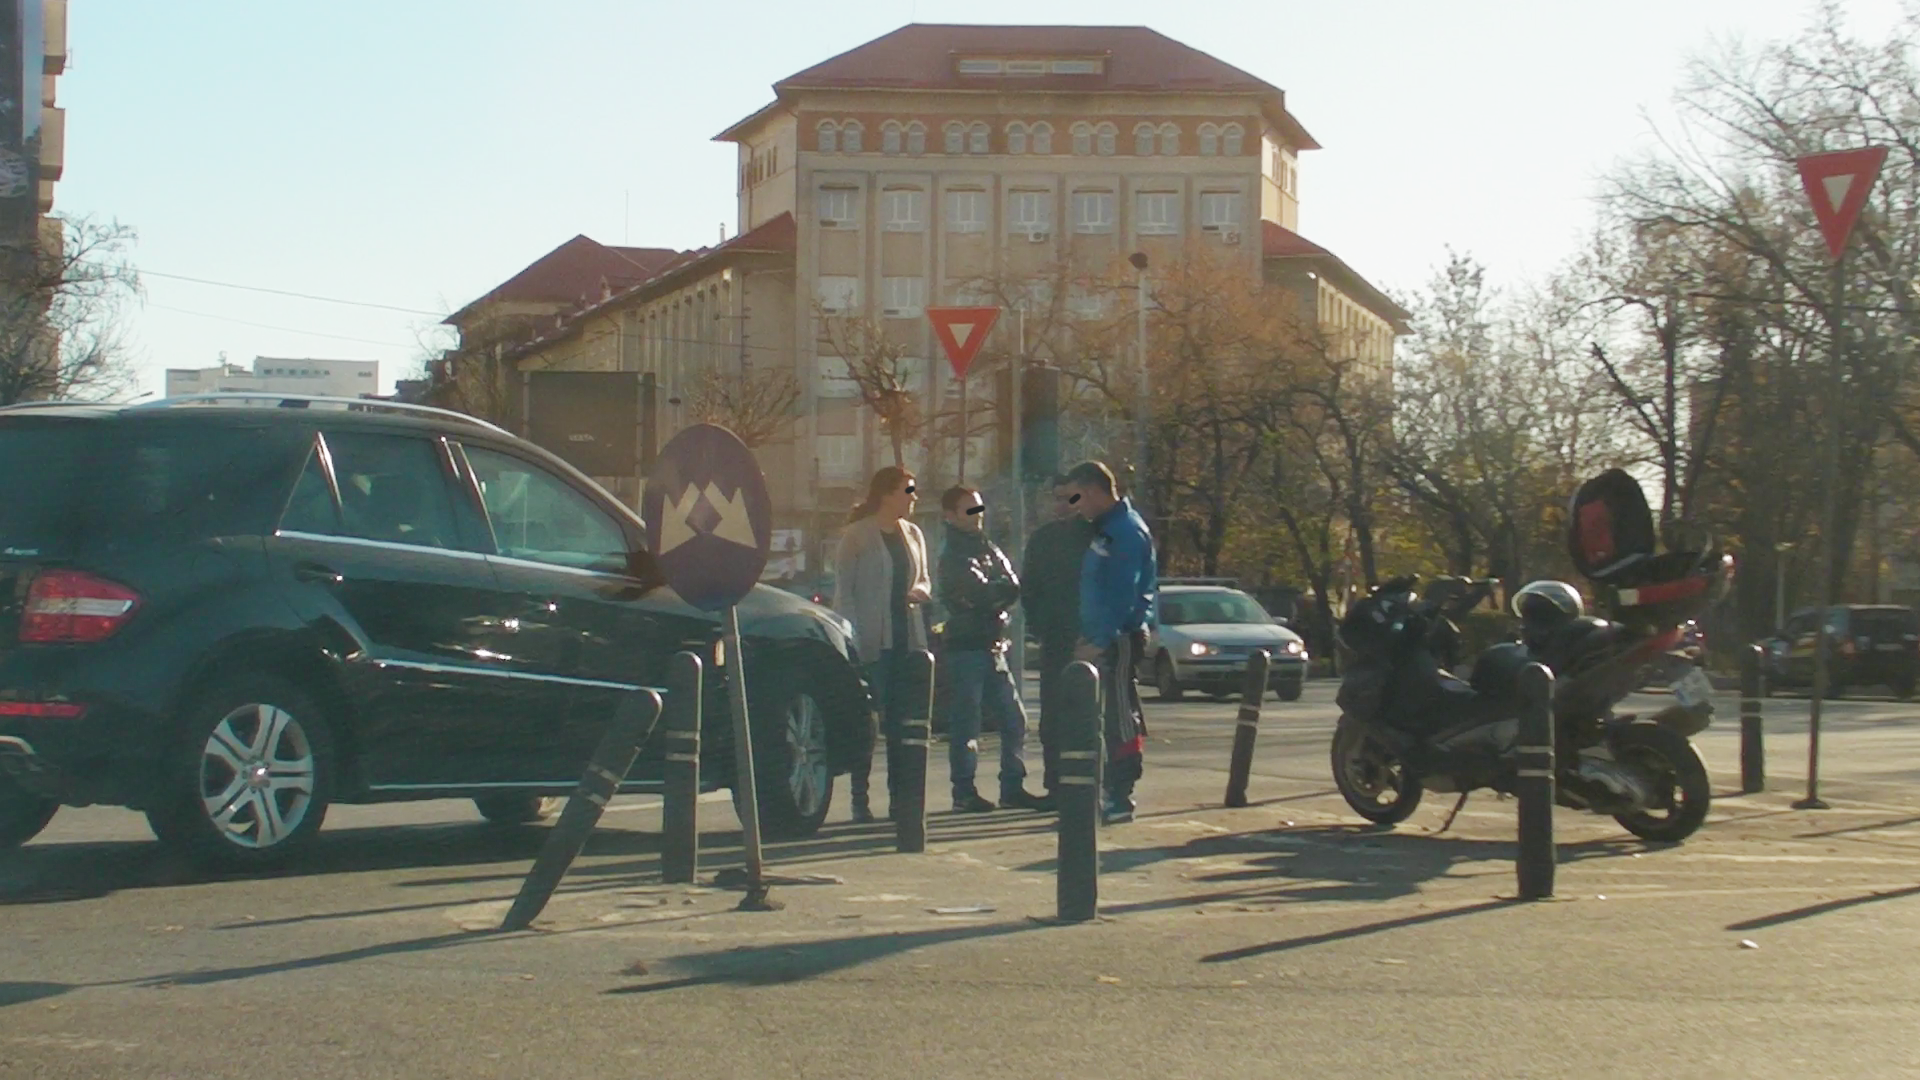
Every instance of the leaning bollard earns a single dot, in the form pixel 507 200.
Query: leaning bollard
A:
pixel 679 816
pixel 907 754
pixel 632 722
pixel 1535 864
pixel 1753 748
pixel 1251 695
pixel 1081 748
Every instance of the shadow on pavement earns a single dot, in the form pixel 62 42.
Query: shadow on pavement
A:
pixel 1827 908
pixel 20 993
pixel 769 965
pixel 1348 933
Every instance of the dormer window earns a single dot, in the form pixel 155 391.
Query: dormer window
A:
pixel 1029 67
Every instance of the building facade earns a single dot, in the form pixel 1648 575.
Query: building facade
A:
pixel 902 173
pixel 277 375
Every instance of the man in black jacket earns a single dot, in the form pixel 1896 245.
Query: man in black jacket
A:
pixel 976 584
pixel 1051 571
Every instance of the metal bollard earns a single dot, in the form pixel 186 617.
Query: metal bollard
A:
pixel 1082 745
pixel 907 754
pixel 1753 748
pixel 1535 863
pixel 632 722
pixel 1252 694
pixel 679 816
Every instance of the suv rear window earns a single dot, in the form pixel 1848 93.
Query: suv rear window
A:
pixel 1884 624
pixel 72 486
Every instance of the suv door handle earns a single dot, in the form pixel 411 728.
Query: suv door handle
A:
pixel 316 574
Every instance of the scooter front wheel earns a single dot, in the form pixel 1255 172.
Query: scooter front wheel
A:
pixel 1682 790
pixel 1373 780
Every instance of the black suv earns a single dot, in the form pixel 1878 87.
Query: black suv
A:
pixel 1870 645
pixel 229 615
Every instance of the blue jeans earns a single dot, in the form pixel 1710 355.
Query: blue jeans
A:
pixel 980 692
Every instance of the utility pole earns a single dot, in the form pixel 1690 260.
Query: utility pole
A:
pixel 1019 497
pixel 1142 411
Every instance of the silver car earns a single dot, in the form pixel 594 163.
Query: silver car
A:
pixel 1200 639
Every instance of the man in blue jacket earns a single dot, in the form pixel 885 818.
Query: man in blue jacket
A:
pixel 1118 582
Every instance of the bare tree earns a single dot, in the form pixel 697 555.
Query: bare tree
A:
pixel 757 405
pixel 60 304
pixel 878 368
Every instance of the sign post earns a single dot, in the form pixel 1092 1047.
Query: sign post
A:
pixel 1837 184
pixel 710 526
pixel 962 331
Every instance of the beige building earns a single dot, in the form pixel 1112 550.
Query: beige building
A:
pixel 280 375
pixel 891 177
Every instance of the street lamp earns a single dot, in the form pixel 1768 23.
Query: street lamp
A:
pixel 1780 552
pixel 1140 410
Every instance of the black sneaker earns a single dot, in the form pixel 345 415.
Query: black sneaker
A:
pixel 1022 799
pixel 1116 810
pixel 863 813
pixel 970 802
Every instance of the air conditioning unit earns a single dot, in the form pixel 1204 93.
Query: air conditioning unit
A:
pixel 830 223
pixel 894 312
pixel 1036 236
pixel 1231 236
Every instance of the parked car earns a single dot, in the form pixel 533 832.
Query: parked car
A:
pixel 1871 645
pixel 1201 636
pixel 229 616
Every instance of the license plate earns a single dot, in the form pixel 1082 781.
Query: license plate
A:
pixel 1896 647
pixel 1693 689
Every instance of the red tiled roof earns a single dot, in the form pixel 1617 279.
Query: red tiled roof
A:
pixel 576 272
pixel 923 56
pixel 1279 242
pixel 775 236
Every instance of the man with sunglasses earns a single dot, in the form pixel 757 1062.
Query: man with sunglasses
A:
pixel 977 586
pixel 1119 580
pixel 1050 593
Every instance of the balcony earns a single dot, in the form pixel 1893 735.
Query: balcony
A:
pixel 56 35
pixel 53 142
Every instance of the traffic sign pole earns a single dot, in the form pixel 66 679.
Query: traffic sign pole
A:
pixel 961 331
pixel 746 789
pixel 1837 186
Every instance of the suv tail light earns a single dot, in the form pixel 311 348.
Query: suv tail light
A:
pixel 67 607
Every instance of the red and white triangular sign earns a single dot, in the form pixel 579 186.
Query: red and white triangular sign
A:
pixel 1838 184
pixel 962 330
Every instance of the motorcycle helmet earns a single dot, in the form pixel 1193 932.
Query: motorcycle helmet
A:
pixel 1548 603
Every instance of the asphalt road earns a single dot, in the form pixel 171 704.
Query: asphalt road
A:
pixel 1278 940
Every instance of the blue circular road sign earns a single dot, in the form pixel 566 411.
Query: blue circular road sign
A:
pixel 709 518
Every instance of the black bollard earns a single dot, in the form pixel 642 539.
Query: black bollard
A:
pixel 1753 748
pixel 680 815
pixel 1252 693
pixel 907 754
pixel 632 722
pixel 1535 863
pixel 1082 745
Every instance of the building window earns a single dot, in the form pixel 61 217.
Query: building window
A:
pixel 977 139
pixel 1083 139
pixel 850 133
pixel 1016 138
pixel 1169 140
pixel 903 210
pixel 979 67
pixel 1232 140
pixel 1143 140
pixel 1158 214
pixel 916 138
pixel 828 134
pixel 966 211
pixel 1220 211
pixel 890 137
pixel 1026 67
pixel 1093 211
pixel 903 297
pixel 837 209
pixel 1209 140
pixel 1077 67
pixel 1030 212
pixel 1086 301
pixel 1108 137
pixel 956 133
pixel 1042 135
pixel 837 294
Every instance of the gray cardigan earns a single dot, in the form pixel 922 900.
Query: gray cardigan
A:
pixel 863 578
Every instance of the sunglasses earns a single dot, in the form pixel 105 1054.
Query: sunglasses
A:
pixel 909 489
pixel 1073 499
pixel 980 509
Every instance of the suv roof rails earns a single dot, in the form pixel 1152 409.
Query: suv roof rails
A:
pixel 64 403
pixel 302 401
pixel 1223 582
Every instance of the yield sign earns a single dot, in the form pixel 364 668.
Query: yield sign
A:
pixel 1837 184
pixel 962 330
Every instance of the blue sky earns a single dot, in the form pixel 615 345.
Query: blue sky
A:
pixel 413 153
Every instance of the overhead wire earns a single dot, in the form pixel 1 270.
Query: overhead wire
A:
pixel 291 293
pixel 282 329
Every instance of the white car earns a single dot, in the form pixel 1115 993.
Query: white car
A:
pixel 1200 639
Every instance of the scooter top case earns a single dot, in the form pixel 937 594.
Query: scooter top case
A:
pixel 1613 544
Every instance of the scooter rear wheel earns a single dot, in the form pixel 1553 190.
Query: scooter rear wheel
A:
pixel 1371 778
pixel 1683 790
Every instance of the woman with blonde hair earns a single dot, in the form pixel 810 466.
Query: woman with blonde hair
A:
pixel 880 584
